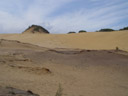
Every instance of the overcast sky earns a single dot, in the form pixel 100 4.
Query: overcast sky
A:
pixel 62 16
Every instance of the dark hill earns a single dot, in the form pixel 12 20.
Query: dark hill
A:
pixel 36 29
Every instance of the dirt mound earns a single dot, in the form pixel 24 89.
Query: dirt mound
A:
pixel 36 29
pixel 9 91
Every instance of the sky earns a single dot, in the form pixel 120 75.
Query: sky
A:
pixel 63 16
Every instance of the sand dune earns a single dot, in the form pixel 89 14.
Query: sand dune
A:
pixel 80 72
pixel 89 40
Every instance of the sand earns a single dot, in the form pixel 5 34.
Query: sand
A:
pixel 84 64
pixel 9 91
pixel 79 72
pixel 89 40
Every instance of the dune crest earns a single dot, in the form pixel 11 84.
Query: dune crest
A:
pixel 88 40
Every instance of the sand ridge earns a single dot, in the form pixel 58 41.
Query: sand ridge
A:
pixel 89 40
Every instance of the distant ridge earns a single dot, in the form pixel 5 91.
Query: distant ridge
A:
pixel 36 29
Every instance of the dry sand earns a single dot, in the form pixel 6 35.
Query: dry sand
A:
pixel 9 91
pixel 89 40
pixel 80 72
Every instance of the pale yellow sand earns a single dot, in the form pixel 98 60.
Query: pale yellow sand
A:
pixel 90 40
pixel 84 73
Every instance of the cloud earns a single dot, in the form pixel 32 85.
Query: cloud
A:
pixel 90 20
pixel 16 15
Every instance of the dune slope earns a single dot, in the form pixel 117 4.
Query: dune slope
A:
pixel 89 40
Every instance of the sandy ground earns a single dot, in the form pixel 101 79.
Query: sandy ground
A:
pixel 89 40
pixel 79 72
pixel 9 91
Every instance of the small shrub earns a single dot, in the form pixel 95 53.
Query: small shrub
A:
pixel 82 31
pixel 106 30
pixel 71 32
pixel 125 28
pixel 36 29
pixel 59 91
pixel 117 48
